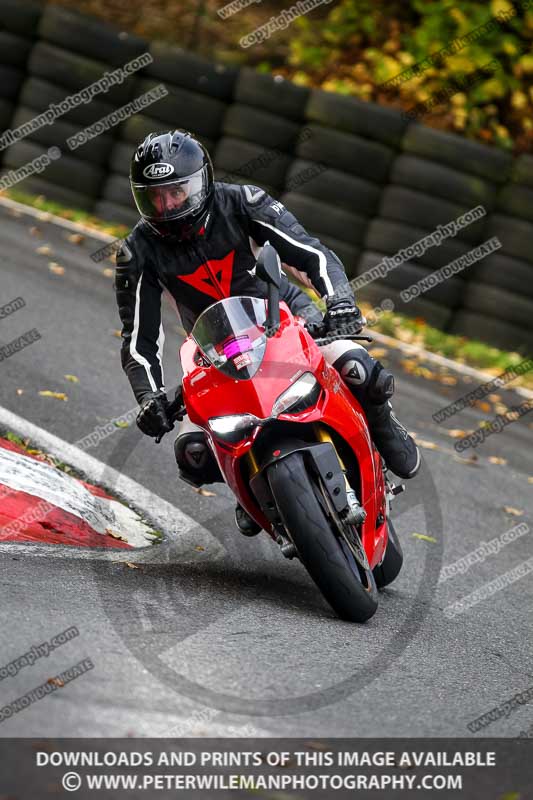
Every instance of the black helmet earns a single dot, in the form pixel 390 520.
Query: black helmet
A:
pixel 171 178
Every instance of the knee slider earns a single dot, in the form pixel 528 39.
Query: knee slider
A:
pixel 355 367
pixel 381 384
pixel 196 463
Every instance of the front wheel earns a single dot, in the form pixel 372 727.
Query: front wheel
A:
pixel 348 586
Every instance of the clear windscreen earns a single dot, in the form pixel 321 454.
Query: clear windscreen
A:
pixel 231 335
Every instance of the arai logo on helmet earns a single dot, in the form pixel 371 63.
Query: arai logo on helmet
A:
pixel 159 170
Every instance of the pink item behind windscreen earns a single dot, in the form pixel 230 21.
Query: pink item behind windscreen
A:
pixel 240 345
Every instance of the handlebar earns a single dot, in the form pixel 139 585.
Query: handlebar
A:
pixel 317 331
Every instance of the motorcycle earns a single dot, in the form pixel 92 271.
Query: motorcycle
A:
pixel 292 442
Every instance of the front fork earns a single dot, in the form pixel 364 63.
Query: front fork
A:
pixel 355 515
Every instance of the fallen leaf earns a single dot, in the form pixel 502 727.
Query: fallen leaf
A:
pixel 56 681
pixel 530 480
pixel 116 333
pixel 56 395
pixel 424 537
pixel 44 250
pixel 427 445
pixel 131 565
pixel 115 535
pixel 494 398
pixel 448 380
pixel 20 391
pixel 56 268
pixel 516 512
pixel 72 378
pixel 204 492
pixel 76 238
pixel 501 408
pixel 44 216
pixel 107 272
pixel 35 231
pixel 472 460
pixel 199 547
pixel 378 352
pixel 483 406
pixel 457 433
pixel 120 424
pixel 497 460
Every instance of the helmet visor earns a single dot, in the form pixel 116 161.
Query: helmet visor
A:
pixel 173 199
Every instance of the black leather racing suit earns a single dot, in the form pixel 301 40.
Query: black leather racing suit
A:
pixel 214 265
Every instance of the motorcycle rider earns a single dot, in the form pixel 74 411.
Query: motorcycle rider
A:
pixel 197 241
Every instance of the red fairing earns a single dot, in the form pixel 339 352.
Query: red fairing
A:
pixel 210 393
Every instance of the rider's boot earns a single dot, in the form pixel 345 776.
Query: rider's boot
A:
pixel 394 443
pixel 373 386
pixel 244 522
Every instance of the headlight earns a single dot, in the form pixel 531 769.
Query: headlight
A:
pixel 297 397
pixel 233 427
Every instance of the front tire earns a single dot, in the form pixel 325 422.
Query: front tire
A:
pixel 349 589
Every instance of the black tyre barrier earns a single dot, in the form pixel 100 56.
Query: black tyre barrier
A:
pixel 191 71
pixel 96 150
pixel 447 294
pixel 433 314
pixel 385 236
pixel 506 273
pixel 224 176
pixel 516 200
pixel 137 128
pixel 273 94
pixel 458 152
pixel 120 158
pixel 117 190
pixel 441 181
pixel 38 94
pixel 515 235
pixel 74 72
pixel 251 161
pixel 88 36
pixel 494 331
pixel 67 171
pixel 14 50
pixel 346 152
pixel 498 304
pixel 338 189
pixel 260 127
pixel 7 110
pixel 523 170
pixel 52 191
pixel 10 82
pixel 349 114
pixel 416 208
pixel 184 109
pixel 321 218
pixel 20 17
pixel 112 212
pixel 347 253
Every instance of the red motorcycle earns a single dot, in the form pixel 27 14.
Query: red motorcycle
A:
pixel 292 442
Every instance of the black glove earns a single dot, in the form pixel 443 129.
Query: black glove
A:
pixel 343 317
pixel 152 418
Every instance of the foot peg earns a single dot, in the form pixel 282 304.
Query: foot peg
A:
pixel 287 547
